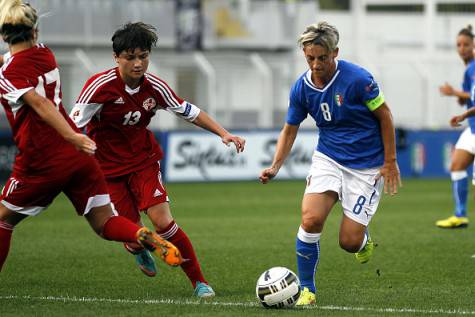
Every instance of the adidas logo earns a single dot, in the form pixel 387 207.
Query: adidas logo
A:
pixel 157 193
pixel 119 101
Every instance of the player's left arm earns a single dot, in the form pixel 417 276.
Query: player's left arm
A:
pixel 390 170
pixel 203 120
pixel 371 95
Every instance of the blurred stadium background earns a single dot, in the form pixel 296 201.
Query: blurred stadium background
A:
pixel 237 59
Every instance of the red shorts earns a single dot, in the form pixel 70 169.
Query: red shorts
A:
pixel 137 191
pixel 80 178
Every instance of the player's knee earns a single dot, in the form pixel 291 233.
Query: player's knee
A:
pixel 455 167
pixel 458 166
pixel 97 217
pixel 311 223
pixel 98 228
pixel 10 217
pixel 160 215
pixel 349 243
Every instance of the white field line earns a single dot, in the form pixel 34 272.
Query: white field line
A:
pixel 236 304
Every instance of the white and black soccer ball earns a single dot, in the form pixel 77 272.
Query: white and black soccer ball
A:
pixel 278 287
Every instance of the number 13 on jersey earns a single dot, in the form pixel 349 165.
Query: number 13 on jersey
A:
pixel 132 118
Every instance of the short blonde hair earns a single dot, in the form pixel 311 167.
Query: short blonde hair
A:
pixel 17 19
pixel 321 33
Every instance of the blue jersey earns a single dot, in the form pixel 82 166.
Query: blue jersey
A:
pixel 349 133
pixel 468 85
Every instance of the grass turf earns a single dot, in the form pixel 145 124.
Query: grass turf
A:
pixel 58 267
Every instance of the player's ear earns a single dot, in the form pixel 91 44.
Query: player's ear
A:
pixel 335 52
pixel 116 58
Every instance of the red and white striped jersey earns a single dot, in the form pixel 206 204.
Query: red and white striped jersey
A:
pixel 116 118
pixel 40 147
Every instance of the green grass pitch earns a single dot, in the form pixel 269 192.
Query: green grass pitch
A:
pixel 58 267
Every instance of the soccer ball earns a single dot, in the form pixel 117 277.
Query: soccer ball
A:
pixel 278 287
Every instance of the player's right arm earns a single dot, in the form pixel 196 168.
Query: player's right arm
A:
pixel 48 112
pixel 284 145
pixel 296 113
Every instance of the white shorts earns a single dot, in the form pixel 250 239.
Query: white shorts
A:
pixel 466 141
pixel 357 189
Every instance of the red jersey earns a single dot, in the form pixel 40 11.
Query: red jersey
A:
pixel 41 148
pixel 116 118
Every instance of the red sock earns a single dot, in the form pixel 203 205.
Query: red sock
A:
pixel 6 231
pixel 118 228
pixel 178 237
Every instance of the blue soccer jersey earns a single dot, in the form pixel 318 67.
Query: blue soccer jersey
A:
pixel 468 85
pixel 349 133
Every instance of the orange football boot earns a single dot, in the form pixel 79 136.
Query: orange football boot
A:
pixel 159 247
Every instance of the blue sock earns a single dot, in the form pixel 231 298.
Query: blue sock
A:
pixel 308 254
pixel 460 191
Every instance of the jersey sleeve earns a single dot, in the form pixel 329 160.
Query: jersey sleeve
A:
pixel 13 85
pixel 369 91
pixel 88 104
pixel 171 102
pixel 297 112
pixel 185 110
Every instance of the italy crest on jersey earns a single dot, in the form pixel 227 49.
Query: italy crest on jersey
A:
pixel 149 104
pixel 339 99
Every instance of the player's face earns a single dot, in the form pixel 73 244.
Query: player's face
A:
pixel 320 61
pixel 465 47
pixel 132 65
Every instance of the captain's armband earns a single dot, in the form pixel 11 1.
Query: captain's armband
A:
pixel 375 103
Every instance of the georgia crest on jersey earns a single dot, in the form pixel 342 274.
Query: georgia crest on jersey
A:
pixel 116 118
pixel 40 148
pixel 349 132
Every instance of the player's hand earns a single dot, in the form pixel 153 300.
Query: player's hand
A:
pixel 238 142
pixel 446 90
pixel 455 121
pixel 83 143
pixel 391 176
pixel 267 174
